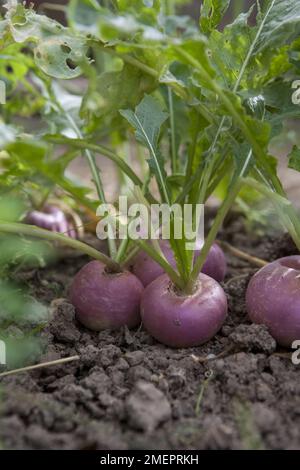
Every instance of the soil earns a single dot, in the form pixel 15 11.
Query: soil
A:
pixel 238 391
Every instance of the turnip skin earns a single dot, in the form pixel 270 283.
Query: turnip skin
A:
pixel 183 321
pixel 273 299
pixel 52 218
pixel 215 265
pixel 147 270
pixel 106 301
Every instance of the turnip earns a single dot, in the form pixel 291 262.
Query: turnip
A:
pixel 180 320
pixel 52 218
pixel 147 270
pixel 273 299
pixel 104 299
pixel 103 294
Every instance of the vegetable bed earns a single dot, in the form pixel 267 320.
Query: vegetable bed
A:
pixel 149 246
pixel 129 392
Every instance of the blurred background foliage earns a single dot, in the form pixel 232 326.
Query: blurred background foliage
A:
pixel 56 8
pixel 21 315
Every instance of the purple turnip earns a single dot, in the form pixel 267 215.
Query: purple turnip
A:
pixel 147 270
pixel 106 300
pixel 179 320
pixel 273 299
pixel 52 218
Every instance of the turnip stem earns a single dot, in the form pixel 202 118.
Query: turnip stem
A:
pixel 122 250
pixel 175 278
pixel 233 191
pixel 129 256
pixel 173 130
pixel 33 231
pixel 224 209
pixel 191 157
pixel 96 177
pixel 239 120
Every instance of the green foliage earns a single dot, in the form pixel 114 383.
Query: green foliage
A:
pixel 212 12
pixel 147 121
pixel 294 159
pixel 26 160
pixel 17 306
pixel 281 19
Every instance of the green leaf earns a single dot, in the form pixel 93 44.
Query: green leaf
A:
pixel 278 101
pixel 60 57
pixel 212 12
pixel 58 51
pixel 147 120
pixel 11 209
pixel 81 15
pixel 32 156
pixel 229 49
pixel 294 158
pixel 113 90
pixel 281 24
pixel 26 25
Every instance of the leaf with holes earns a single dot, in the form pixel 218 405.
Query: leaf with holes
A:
pixel 61 57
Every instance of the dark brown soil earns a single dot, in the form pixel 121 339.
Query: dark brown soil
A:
pixel 129 392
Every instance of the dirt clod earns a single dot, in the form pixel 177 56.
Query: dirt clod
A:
pixel 62 325
pixel 147 407
pixel 253 338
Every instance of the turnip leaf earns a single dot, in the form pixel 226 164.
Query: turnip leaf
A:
pixel 212 11
pixel 281 24
pixel 147 120
pixel 294 158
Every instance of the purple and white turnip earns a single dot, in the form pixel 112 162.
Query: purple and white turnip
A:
pixel 273 299
pixel 52 218
pixel 180 320
pixel 147 270
pixel 103 299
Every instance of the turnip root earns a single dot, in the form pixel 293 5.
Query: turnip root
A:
pixel 146 269
pixel 52 218
pixel 273 299
pixel 179 320
pixel 106 300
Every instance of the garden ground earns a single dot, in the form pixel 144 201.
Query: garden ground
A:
pixel 129 392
